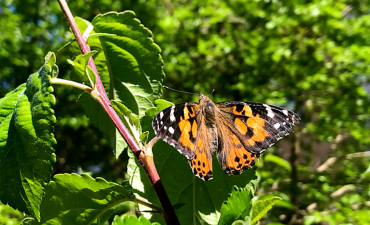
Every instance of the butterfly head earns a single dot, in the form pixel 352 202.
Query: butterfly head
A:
pixel 208 109
pixel 202 96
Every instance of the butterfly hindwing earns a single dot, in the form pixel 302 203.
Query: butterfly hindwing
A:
pixel 206 147
pixel 234 157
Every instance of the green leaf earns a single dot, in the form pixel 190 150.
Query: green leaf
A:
pixel 133 59
pixel 129 65
pixel 50 59
pixel 27 141
pixel 247 221
pixel 200 201
pixel 261 207
pixel 146 121
pixel 81 71
pixel 279 161
pixel 132 220
pixel 130 120
pixel 91 75
pixel 79 199
pixel 127 58
pixel 160 104
pixel 105 216
pixel 144 137
pixel 99 117
pixel 99 58
pixel 93 109
pixel 238 205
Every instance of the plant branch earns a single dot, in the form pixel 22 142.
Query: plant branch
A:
pixel 149 205
pixel 71 83
pixel 146 162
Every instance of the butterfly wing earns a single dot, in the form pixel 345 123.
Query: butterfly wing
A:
pixel 175 126
pixel 247 129
pixel 183 127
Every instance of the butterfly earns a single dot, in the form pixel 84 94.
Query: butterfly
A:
pixel 237 132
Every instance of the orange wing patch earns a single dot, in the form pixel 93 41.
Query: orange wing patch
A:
pixel 259 133
pixel 245 111
pixel 194 128
pixel 185 127
pixel 254 122
pixel 187 113
pixel 242 128
pixel 238 159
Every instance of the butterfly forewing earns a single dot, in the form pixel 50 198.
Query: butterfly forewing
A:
pixel 174 126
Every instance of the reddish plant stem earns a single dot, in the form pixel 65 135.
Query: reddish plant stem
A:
pixel 100 95
pixel 146 162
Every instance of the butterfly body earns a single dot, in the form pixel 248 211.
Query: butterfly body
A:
pixel 237 132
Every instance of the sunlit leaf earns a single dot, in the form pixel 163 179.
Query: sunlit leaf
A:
pixel 27 141
pixel 261 207
pixel 79 199
pixel 238 204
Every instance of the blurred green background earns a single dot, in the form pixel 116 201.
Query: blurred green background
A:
pixel 312 57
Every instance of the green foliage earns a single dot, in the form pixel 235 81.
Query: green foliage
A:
pixel 81 69
pixel 238 205
pixel 27 141
pixel 278 161
pixel 128 219
pixel 10 216
pixel 79 199
pixel 26 36
pixel 260 208
pixel 129 66
pixel 241 209
pixel 132 59
pixel 131 122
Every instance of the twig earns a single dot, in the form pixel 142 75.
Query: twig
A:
pixel 332 160
pixel 71 83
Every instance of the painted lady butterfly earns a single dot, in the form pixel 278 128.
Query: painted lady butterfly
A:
pixel 237 132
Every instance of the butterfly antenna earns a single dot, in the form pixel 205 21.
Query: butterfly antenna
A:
pixel 178 90
pixel 213 90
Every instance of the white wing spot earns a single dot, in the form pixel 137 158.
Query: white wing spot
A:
pixel 171 130
pixel 285 112
pixel 161 114
pixel 164 127
pixel 277 125
pixel 172 116
pixel 161 122
pixel 270 113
